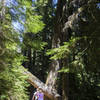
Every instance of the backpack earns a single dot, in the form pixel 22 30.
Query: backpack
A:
pixel 35 96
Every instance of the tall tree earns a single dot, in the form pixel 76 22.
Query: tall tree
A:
pixel 77 51
pixel 12 80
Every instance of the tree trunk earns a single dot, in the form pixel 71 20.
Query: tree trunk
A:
pixel 29 58
pixel 48 91
pixel 65 86
pixel 58 38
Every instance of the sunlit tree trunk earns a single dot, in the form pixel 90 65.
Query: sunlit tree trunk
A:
pixel 58 39
pixel 54 67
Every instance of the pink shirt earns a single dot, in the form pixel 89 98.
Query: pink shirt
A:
pixel 40 96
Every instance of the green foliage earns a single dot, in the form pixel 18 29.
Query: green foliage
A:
pixel 64 70
pixel 63 51
pixel 33 23
pixel 12 80
pixel 35 44
pixel 38 45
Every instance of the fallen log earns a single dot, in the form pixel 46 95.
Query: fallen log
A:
pixel 48 91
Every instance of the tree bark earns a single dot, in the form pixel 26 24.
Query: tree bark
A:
pixel 48 91
pixel 56 42
pixel 65 86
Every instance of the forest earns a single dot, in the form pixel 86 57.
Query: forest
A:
pixel 53 45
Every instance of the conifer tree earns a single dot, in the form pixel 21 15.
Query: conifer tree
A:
pixel 12 81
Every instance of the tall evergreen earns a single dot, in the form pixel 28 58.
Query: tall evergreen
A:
pixel 80 49
pixel 12 81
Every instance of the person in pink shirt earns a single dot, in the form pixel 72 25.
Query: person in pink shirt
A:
pixel 38 95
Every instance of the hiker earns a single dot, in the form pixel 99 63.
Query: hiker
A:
pixel 38 95
pixel 35 95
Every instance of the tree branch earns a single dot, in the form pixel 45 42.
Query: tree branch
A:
pixel 49 92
